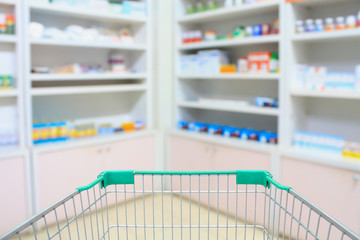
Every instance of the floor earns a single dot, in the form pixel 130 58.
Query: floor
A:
pixel 165 214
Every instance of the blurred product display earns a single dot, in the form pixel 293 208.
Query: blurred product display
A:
pixel 8 126
pixel 7 24
pixel 116 64
pixel 217 62
pixel 55 131
pixel 330 24
pixel 196 6
pixel 6 82
pixel 318 78
pixel 255 30
pixel 326 142
pixel 96 33
pixel 133 8
pixel 229 131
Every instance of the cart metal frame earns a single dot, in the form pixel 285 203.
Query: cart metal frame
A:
pixel 240 196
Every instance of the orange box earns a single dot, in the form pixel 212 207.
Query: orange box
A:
pixel 259 62
pixel 231 68
pixel 128 127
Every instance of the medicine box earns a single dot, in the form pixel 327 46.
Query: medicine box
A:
pixel 134 8
pixel 210 61
pixel 259 62
pixel 189 64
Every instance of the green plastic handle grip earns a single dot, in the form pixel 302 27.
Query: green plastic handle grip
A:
pixel 251 177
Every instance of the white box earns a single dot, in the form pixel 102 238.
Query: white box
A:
pixel 189 64
pixel 210 61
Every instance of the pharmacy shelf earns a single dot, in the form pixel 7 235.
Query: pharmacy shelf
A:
pixel 8 2
pixel 227 108
pixel 85 44
pixel 321 157
pixel 9 93
pixel 91 76
pixel 228 13
pixel 230 76
pixel 327 36
pixel 97 140
pixel 92 14
pixel 45 91
pixel 8 38
pixel 220 140
pixel 313 3
pixel 231 42
pixel 325 94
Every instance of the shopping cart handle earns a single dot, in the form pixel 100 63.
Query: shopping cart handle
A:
pixel 251 177
pixel 258 177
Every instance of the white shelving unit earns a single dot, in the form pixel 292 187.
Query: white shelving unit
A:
pixel 190 88
pixel 89 13
pixel 128 95
pixel 85 77
pixel 11 58
pixel 328 112
pixel 231 76
pixel 231 43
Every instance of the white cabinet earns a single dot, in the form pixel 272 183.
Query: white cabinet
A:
pixel 334 190
pixel 14 199
pixel 58 173
pixel 188 154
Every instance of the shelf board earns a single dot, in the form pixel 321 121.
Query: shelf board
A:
pixel 228 13
pixel 231 42
pixel 230 142
pixel 9 93
pixel 11 151
pixel 321 157
pixel 8 2
pixel 221 107
pixel 327 36
pixel 90 76
pixel 97 140
pixel 85 13
pixel 88 44
pixel 313 3
pixel 231 76
pixel 8 38
pixel 87 90
pixel 326 94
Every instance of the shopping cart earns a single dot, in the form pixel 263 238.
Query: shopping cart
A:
pixel 182 205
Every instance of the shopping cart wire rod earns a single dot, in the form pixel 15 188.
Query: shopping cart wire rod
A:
pixel 199 205
pixel 172 208
pixel 162 206
pixel 96 214
pixel 107 211
pixel 255 210
pixel 67 221
pixel 37 217
pixel 76 218
pixel 143 195
pixel 117 213
pixel 102 211
pixel 227 207
pixel 325 216
pixel 91 222
pixel 135 212
pixel 190 206
pixel 209 206
pixel 188 226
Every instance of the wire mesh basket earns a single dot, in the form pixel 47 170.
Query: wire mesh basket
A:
pixel 182 205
